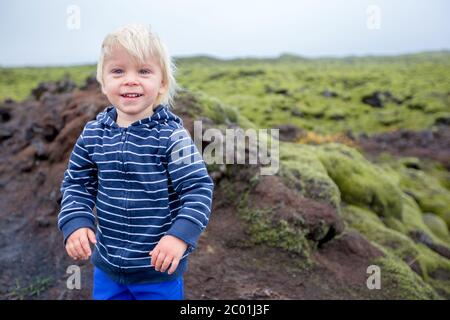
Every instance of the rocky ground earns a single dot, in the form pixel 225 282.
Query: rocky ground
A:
pixel 267 239
pixel 429 144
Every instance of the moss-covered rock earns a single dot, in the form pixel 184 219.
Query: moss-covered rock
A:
pixel 268 227
pixel 369 224
pixel 214 109
pixel 426 191
pixel 398 282
pixel 432 268
pixel 360 182
pixel 413 221
pixel 280 234
pixel 301 169
pixel 437 225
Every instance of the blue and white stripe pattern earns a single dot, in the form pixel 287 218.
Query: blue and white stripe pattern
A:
pixel 144 181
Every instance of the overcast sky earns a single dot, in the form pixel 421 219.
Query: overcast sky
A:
pixel 65 32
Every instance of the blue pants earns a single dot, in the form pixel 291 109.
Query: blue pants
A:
pixel 105 288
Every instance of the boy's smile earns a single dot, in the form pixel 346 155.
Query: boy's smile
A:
pixel 132 87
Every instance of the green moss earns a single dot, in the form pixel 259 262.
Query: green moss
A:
pixel 270 92
pixel 301 169
pixel 430 175
pixel 413 221
pixel 441 287
pixel 438 171
pixel 17 83
pixel 275 91
pixel 360 182
pixel 426 191
pixel 425 261
pixel 369 224
pixel 265 229
pixel 429 167
pixel 398 282
pixel 214 109
pixel 437 226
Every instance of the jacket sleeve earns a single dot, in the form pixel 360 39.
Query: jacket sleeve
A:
pixel 190 179
pixel 79 190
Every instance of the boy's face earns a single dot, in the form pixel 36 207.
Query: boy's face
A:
pixel 130 86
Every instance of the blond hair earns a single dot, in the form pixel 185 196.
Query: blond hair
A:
pixel 140 42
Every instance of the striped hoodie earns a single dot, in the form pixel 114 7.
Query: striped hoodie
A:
pixel 132 186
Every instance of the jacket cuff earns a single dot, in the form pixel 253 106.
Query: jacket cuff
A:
pixel 187 231
pixel 75 224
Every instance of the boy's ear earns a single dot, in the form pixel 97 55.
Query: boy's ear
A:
pixel 162 88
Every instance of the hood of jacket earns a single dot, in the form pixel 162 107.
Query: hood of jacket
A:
pixel 161 115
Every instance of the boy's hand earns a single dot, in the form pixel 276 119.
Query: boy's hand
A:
pixel 77 245
pixel 169 250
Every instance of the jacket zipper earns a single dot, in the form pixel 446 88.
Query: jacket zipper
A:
pixel 124 139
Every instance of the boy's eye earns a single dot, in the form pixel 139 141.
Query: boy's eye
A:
pixel 117 71
pixel 145 71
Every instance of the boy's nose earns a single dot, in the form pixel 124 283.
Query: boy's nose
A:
pixel 130 82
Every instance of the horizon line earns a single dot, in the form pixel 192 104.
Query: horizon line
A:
pixel 250 57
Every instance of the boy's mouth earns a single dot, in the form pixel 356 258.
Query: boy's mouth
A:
pixel 131 95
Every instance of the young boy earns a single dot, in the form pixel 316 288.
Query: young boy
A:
pixel 141 170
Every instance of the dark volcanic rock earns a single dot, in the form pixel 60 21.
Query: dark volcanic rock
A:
pixel 290 132
pixel 378 99
pixel 62 86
